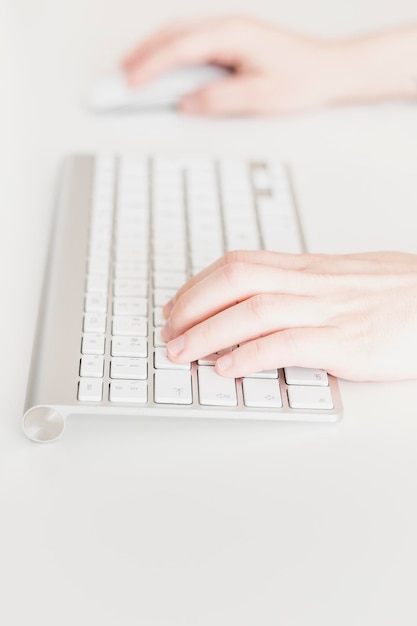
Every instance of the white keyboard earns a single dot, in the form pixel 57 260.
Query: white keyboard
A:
pixel 147 225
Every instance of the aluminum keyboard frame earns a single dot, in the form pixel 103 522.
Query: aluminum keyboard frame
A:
pixel 52 387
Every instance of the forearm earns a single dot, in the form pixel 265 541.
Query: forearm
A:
pixel 376 67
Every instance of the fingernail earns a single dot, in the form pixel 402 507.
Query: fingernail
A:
pixel 224 363
pixel 176 346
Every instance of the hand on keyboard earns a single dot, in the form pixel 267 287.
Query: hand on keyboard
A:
pixel 141 227
pixel 353 316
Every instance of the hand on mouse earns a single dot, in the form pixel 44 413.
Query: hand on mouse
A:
pixel 277 71
pixel 354 316
pixel 274 71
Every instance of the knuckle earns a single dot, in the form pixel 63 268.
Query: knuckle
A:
pixel 233 256
pixel 180 311
pixel 252 354
pixel 257 351
pixel 234 273
pixel 260 306
pixel 291 345
pixel 238 20
pixel 206 333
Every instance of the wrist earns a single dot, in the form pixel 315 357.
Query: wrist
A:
pixel 372 68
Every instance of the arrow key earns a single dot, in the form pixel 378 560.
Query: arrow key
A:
pixel 215 390
pixel 263 393
pixel 173 387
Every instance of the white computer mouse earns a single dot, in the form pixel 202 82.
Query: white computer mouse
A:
pixel 112 93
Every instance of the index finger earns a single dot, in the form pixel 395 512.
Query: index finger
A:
pixel 158 39
pixel 202 44
pixel 230 284
pixel 280 260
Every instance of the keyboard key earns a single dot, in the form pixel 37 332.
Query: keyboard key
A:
pixel 135 326
pixel 93 344
pixel 131 255
pixel 262 393
pixel 165 263
pixel 138 288
pixel 135 167
pixel 102 199
pixel 129 368
pixel 173 387
pixel 163 362
pixel 129 346
pixel 162 296
pixel 158 317
pixel 276 237
pixel 202 260
pixel 216 390
pixel 130 392
pixel 128 242
pixel 99 248
pixel 171 248
pixel 104 165
pixel 158 342
pixel 94 323
pixel 90 390
pixel 305 376
pixel 130 306
pixel 170 280
pixel 319 398
pixel 130 202
pixel 243 241
pixel 264 374
pixel 261 179
pixel 211 359
pixel 98 265
pixel 130 232
pixel 101 226
pixel 102 203
pixel 130 271
pixel 92 367
pixel 97 283
pixel 95 303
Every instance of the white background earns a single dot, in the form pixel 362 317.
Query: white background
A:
pixel 161 522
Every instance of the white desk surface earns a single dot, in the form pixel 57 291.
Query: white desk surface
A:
pixel 181 523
